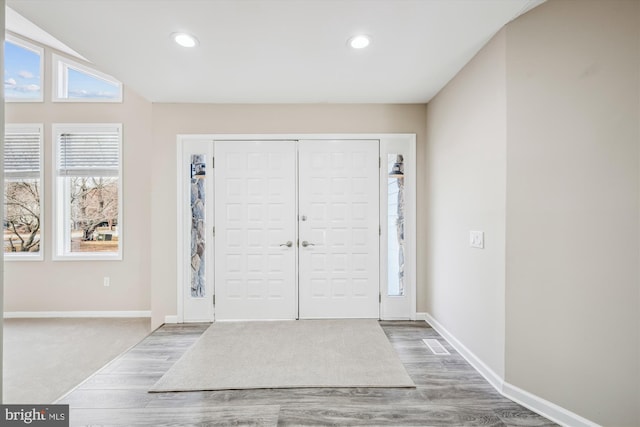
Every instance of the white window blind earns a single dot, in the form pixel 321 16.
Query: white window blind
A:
pixel 90 153
pixel 22 153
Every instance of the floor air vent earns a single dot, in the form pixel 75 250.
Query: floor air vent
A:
pixel 435 347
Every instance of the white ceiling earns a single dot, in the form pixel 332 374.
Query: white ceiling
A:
pixel 18 24
pixel 277 51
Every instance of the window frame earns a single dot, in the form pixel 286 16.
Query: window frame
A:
pixel 60 84
pixel 20 42
pixel 61 207
pixel 30 256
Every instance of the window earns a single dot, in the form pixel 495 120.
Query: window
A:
pixel 88 195
pixel 22 192
pixel 22 71
pixel 395 223
pixel 74 82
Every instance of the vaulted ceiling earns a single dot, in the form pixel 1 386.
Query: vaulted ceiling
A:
pixel 277 51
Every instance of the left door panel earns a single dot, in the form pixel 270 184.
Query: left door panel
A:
pixel 255 242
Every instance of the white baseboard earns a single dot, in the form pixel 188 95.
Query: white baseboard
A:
pixel 543 407
pixel 421 316
pixel 494 379
pixel 170 319
pixel 73 314
pixel 535 403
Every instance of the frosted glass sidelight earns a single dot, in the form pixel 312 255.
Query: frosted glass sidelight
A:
pixel 198 218
pixel 395 225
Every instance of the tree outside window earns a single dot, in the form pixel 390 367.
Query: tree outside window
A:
pixel 22 191
pixel 94 214
pixel 88 192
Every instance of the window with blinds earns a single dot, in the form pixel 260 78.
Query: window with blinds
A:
pixel 89 153
pixel 22 148
pixel 88 191
pixel 22 158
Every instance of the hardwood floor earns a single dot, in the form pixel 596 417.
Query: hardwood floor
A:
pixel 449 392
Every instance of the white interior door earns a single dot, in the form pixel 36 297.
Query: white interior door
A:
pixel 255 220
pixel 339 229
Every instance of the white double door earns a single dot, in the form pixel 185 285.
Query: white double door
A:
pixel 297 229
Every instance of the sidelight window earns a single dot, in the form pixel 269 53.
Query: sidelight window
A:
pixel 396 225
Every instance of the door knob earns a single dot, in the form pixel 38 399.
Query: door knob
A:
pixel 288 244
pixel 305 244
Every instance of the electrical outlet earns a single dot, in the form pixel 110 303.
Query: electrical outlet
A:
pixel 476 239
pixel 107 281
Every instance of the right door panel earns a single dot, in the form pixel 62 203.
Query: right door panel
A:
pixel 338 229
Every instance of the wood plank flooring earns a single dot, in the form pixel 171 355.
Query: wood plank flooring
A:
pixel 449 392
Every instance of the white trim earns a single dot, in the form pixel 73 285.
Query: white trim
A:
pixel 545 408
pixel 259 320
pixel 20 42
pixel 74 314
pixel 535 403
pixel 181 238
pixel 291 136
pixel 400 307
pixel 494 379
pixel 25 256
pixel 197 309
pixel 60 83
pixel 171 319
pixel 422 316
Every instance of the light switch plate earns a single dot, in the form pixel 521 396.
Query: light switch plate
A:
pixel 476 239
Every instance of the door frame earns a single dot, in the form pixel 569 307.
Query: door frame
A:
pixel 391 308
pixel 203 307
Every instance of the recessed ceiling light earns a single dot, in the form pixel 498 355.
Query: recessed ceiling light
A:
pixel 359 42
pixel 184 39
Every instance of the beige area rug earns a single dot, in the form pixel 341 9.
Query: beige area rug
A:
pixel 45 358
pixel 288 354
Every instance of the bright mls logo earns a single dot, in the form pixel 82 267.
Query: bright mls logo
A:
pixel 35 415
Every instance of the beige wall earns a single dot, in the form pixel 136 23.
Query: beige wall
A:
pixel 151 257
pixel 78 286
pixel 466 169
pixel 572 207
pixel 172 119
pixel 570 71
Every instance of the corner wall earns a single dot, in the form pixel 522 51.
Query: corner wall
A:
pixel 551 105
pixel 466 170
pixel 170 120
pixel 573 76
pixel 33 286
